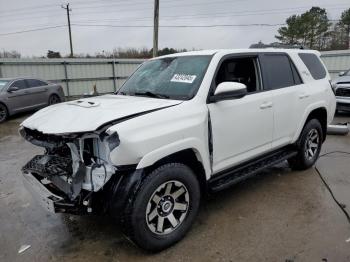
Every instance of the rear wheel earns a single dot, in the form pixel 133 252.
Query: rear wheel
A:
pixel 54 99
pixel 309 146
pixel 3 113
pixel 164 207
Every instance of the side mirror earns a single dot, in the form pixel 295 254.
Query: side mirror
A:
pixel 229 90
pixel 341 73
pixel 12 89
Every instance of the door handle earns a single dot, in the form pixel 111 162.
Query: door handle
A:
pixel 304 95
pixel 266 105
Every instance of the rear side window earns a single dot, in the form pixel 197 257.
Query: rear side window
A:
pixel 35 82
pixel 21 84
pixel 277 71
pixel 314 65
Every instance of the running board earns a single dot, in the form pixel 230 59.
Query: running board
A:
pixel 229 177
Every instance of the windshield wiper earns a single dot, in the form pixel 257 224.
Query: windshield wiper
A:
pixel 151 94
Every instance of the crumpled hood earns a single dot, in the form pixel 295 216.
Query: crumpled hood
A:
pixel 88 114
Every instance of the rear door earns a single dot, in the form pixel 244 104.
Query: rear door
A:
pixel 287 89
pixel 38 92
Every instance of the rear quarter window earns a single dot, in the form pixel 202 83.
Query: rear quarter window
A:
pixel 314 65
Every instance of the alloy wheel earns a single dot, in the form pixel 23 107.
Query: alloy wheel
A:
pixel 312 144
pixel 3 113
pixel 168 207
pixel 54 100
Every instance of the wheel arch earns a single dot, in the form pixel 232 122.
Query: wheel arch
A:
pixel 319 113
pixel 188 157
pixel 7 108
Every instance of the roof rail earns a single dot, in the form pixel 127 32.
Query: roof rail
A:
pixel 277 45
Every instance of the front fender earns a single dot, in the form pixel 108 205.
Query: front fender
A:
pixel 194 144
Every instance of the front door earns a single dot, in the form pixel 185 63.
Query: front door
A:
pixel 19 100
pixel 241 128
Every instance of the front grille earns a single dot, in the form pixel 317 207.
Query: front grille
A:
pixel 342 92
pixel 49 165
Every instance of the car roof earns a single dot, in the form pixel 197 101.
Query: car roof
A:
pixel 19 78
pixel 237 51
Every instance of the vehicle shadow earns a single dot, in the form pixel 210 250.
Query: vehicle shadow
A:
pixel 104 233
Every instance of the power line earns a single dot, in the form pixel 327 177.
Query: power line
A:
pixel 177 26
pixel 139 26
pixel 191 16
pixel 32 30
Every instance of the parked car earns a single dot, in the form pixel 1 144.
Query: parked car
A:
pixel 25 94
pixel 342 91
pixel 181 126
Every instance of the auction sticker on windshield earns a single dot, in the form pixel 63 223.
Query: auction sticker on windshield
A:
pixel 183 78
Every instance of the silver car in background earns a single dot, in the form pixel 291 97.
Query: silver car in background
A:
pixel 25 94
pixel 342 91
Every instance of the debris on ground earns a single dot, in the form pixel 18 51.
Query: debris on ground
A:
pixel 338 129
pixel 4 195
pixel 23 248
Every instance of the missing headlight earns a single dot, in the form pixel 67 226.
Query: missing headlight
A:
pixel 113 141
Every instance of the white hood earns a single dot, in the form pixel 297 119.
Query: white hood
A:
pixel 88 114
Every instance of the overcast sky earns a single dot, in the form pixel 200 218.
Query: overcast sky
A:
pixel 21 15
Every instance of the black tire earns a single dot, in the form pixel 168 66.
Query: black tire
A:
pixel 54 99
pixel 304 159
pixel 3 113
pixel 142 230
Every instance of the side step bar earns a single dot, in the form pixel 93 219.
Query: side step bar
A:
pixel 229 177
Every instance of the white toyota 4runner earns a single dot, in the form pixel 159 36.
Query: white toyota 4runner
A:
pixel 181 126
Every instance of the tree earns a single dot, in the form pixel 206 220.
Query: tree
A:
pixel 307 29
pixel 10 54
pixel 345 24
pixel 292 33
pixel 316 24
pixel 53 54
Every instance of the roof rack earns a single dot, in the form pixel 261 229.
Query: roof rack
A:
pixel 277 45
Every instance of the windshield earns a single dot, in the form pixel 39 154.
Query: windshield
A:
pixel 3 83
pixel 171 77
pixel 347 73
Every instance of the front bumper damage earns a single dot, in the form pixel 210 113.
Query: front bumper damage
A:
pixel 73 173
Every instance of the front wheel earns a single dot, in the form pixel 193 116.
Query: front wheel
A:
pixel 309 146
pixel 3 113
pixel 164 207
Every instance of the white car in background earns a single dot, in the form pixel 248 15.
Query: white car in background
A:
pixel 342 91
pixel 181 126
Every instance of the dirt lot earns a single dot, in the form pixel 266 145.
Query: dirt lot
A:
pixel 279 215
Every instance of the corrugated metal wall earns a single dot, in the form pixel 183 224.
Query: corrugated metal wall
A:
pixel 336 61
pixel 77 76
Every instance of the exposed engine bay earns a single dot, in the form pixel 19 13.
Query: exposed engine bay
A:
pixel 73 166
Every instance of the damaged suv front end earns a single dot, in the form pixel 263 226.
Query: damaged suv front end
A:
pixel 73 168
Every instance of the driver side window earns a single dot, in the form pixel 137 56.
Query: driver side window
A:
pixel 242 70
pixel 21 84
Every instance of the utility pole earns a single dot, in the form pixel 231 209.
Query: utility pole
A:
pixel 155 28
pixel 66 7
